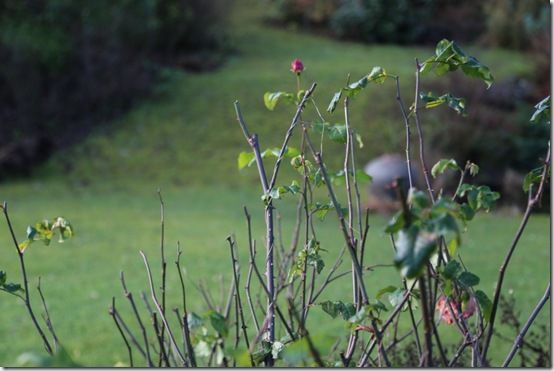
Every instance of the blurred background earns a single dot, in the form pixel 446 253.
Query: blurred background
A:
pixel 102 102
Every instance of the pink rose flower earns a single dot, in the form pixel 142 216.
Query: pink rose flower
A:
pixel 443 307
pixel 296 66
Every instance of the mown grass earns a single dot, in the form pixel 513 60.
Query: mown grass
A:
pixel 185 140
pixel 80 277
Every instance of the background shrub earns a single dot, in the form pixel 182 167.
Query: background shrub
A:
pixel 69 65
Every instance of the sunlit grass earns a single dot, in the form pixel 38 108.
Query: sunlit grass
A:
pixel 186 140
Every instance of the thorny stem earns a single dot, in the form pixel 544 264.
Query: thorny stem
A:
pixel 252 252
pixel 46 316
pixel 407 125
pixel 305 202
pixel 459 352
pixel 519 339
pixel 158 307
pixel 342 223
pixel 328 278
pixel 461 181
pixel 420 135
pixel 288 135
pixel 157 332
pixel 410 309
pixel 186 330
pixel 253 141
pixel 129 297
pixel 129 350
pixel 270 313
pixel 374 340
pixel 428 330
pixel 249 295
pixel 26 282
pixel 234 260
pixel 202 290
pixel 353 339
pixel 162 254
pixel 129 333
pixel 306 335
pixel 533 200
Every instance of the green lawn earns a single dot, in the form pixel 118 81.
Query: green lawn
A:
pixel 185 140
pixel 80 277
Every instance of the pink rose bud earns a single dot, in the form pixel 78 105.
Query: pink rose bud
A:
pixel 296 66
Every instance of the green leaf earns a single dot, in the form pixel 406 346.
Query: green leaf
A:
pixel 24 244
pixel 272 99
pixel 377 75
pixel 486 198
pixel 31 232
pixel 385 290
pixel 60 359
pixel 532 177
pixel 432 101
pixel 468 279
pixel 320 210
pixel 363 177
pixel 450 57
pixel 336 132
pixel 45 230
pixel 356 87
pixel 473 169
pixel 64 227
pixel 441 166
pixel 478 197
pixel 396 297
pixel 276 348
pixel 194 320
pixel 396 223
pixel 308 256
pixel 245 159
pixel 218 322
pixel 359 140
pixel 542 112
pixel 334 101
pixel 443 225
pixel 453 246
pixel 297 353
pixel 13 287
pixel 294 187
pixel 418 199
pixel 316 261
pixel 451 270
pixel 202 349
pixel 291 152
pixel 413 250
pixel 485 303
pixel 474 68
pixel 334 308
pixel 360 315
pixel 263 349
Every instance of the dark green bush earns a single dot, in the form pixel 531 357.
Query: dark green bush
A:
pixel 402 21
pixel 69 65
pixel 505 23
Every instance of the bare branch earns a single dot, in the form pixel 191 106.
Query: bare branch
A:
pixel 158 307
pixel 112 314
pixel 519 339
